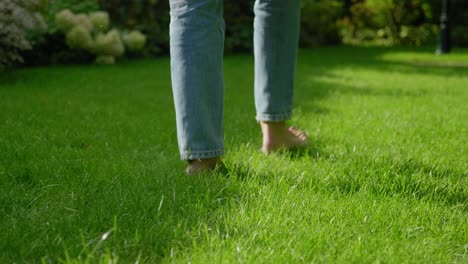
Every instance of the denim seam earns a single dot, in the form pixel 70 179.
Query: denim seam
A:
pixel 202 151
pixel 185 155
pixel 274 117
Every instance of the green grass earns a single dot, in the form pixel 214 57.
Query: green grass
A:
pixel 88 150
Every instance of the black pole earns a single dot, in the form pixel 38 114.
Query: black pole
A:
pixel 444 40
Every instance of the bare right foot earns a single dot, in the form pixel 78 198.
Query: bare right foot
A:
pixel 202 165
pixel 277 136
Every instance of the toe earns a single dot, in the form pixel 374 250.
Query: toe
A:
pixel 299 134
pixel 303 135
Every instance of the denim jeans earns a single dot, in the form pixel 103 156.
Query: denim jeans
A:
pixel 196 46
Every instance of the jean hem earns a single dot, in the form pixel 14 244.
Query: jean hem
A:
pixel 273 117
pixel 193 155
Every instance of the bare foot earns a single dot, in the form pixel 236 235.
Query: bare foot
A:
pixel 203 165
pixel 277 136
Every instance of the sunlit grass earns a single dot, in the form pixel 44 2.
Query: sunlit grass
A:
pixel 89 169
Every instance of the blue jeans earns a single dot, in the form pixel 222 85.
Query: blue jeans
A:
pixel 197 40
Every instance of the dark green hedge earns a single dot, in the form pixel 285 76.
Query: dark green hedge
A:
pixel 324 22
pixel 152 17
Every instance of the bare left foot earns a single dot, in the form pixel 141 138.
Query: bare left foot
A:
pixel 199 166
pixel 277 136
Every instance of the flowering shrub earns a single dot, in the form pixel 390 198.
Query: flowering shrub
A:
pixel 16 19
pixel 100 20
pixel 134 41
pixel 109 44
pixel 79 37
pixel 88 32
pixel 65 20
pixel 323 22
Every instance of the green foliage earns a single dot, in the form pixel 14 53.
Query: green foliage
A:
pixel 65 20
pixel 75 6
pixel 323 22
pixel 100 20
pixel 109 44
pixel 238 16
pixel 460 26
pixel 460 35
pixel 151 17
pixel 86 32
pixel 318 21
pixel 79 37
pixel 389 22
pixel 134 40
pixel 84 21
pixel 17 19
pixel 51 47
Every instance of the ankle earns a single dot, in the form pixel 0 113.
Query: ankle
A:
pixel 272 127
pixel 198 166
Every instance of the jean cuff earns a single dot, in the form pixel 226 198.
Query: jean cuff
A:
pixel 193 155
pixel 273 117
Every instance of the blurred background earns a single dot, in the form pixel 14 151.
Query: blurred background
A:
pixel 41 32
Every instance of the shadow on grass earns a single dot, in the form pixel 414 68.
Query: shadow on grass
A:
pixel 409 179
pixel 317 78
pixel 439 64
pixel 318 81
pixel 315 63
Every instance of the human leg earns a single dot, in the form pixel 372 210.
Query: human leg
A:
pixel 276 28
pixel 196 43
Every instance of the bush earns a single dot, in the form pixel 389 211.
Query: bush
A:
pixel 51 47
pixel 318 20
pixel 100 20
pixel 18 17
pixel 86 32
pixel 79 37
pixel 134 40
pixel 389 22
pixel 108 44
pixel 460 36
pixel 460 26
pixel 151 17
pixel 239 26
pixel 323 22
pixel 75 6
pixel 65 20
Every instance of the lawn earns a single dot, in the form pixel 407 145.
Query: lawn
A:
pixel 90 172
